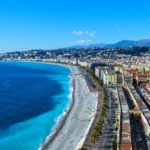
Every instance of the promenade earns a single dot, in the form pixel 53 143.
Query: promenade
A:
pixel 78 119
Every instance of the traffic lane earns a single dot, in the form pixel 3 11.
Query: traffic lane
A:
pixel 138 143
pixel 138 131
pixel 142 134
pixel 106 142
pixel 107 135
pixel 103 140
pixel 139 146
pixel 135 131
pixel 129 99
pixel 134 144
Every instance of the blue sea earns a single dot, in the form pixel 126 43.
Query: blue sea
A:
pixel 33 96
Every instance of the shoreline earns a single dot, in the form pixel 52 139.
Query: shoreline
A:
pixel 72 113
pixel 63 116
pixel 58 125
pixel 61 123
pixel 81 117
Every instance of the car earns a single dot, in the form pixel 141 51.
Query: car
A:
pixel 138 138
pixel 137 121
pixel 111 129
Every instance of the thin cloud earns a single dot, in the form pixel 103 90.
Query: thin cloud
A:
pixel 91 34
pixel 77 32
pixel 81 42
pixel 84 33
pixel 118 28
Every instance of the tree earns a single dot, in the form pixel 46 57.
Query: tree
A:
pixel 101 82
pixel 83 148
pixel 98 128
pixel 114 145
pixel 95 134
pixel 102 116
pixel 93 140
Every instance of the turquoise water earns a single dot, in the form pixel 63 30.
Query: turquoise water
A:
pixel 33 96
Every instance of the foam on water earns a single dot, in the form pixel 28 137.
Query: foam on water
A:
pixel 59 119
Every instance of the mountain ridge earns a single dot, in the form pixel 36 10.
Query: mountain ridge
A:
pixel 122 43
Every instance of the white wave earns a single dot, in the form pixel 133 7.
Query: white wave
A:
pixel 60 118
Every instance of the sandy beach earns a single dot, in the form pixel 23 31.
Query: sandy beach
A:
pixel 73 131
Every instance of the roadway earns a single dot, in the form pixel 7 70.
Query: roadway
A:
pixel 129 99
pixel 137 129
pixel 108 132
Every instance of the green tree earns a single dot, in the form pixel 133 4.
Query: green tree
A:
pixel 98 128
pixel 83 148
pixel 95 134
pixel 93 140
pixel 114 145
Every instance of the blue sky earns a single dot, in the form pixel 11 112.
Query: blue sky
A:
pixel 50 24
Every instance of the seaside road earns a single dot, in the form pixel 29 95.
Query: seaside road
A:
pixel 109 128
pixel 79 117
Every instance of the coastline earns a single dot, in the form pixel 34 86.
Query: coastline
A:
pixel 81 112
pixel 60 124
pixel 62 117
pixel 67 110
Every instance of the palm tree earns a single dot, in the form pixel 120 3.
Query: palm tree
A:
pixel 114 145
pixel 95 134
pixel 102 116
pixel 98 127
pixel 93 140
pixel 83 148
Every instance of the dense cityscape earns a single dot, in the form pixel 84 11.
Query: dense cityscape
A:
pixel 75 75
pixel 125 73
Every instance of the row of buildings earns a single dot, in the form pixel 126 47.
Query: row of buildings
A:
pixel 114 69
pixel 125 78
pixel 140 107
pixel 108 75
pixel 124 129
pixel 115 75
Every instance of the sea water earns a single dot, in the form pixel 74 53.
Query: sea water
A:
pixel 32 98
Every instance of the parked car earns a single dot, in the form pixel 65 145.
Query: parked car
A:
pixel 138 138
